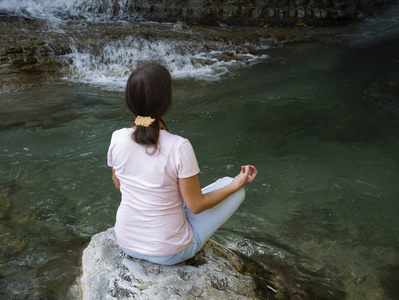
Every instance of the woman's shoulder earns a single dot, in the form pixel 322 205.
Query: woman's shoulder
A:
pixel 175 138
pixel 122 133
pixel 176 142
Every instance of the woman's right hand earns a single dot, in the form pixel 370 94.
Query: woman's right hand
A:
pixel 246 176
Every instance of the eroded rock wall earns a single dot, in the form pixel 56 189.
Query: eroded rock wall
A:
pixel 255 12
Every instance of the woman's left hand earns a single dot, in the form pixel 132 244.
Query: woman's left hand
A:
pixel 246 176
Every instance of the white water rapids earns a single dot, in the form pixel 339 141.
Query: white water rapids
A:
pixel 118 58
pixel 55 10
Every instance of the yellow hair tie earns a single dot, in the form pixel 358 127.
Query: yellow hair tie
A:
pixel 144 121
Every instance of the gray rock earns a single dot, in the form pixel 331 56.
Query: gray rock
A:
pixel 107 273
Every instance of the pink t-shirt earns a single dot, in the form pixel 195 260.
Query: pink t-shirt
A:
pixel 151 219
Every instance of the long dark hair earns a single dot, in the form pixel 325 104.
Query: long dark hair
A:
pixel 149 94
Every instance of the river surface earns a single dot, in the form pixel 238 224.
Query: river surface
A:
pixel 320 121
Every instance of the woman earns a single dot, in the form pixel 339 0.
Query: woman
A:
pixel 164 216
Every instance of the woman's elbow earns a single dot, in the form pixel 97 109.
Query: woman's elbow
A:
pixel 196 210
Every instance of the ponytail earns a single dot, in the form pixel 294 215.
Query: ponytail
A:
pixel 149 93
pixel 149 136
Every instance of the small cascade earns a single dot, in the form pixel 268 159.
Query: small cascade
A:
pixel 88 10
pixel 111 63
pixel 102 44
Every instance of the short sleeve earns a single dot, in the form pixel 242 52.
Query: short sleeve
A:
pixel 187 162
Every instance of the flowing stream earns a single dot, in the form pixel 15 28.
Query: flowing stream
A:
pixel 320 120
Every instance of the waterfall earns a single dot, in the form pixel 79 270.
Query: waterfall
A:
pixel 91 10
pixel 105 43
pixel 113 64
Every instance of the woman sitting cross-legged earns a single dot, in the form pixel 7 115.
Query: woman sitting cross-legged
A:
pixel 164 216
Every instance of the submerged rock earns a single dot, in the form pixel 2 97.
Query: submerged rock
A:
pixel 214 273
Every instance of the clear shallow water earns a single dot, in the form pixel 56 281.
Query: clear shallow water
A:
pixel 326 141
pixel 320 122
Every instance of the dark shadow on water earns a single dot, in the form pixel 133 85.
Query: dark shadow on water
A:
pixel 295 282
pixel 286 276
pixel 389 279
pixel 56 276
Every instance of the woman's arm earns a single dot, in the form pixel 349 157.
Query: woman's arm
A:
pixel 198 202
pixel 115 179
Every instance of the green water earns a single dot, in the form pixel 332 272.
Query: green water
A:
pixel 319 121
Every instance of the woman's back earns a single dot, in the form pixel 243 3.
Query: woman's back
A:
pixel 151 217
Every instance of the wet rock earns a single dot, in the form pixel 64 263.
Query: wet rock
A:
pixel 180 25
pixel 214 273
pixel 28 54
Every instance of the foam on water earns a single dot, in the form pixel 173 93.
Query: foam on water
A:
pixel 57 10
pixel 111 66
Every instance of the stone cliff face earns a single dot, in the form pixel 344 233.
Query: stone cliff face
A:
pixel 256 12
